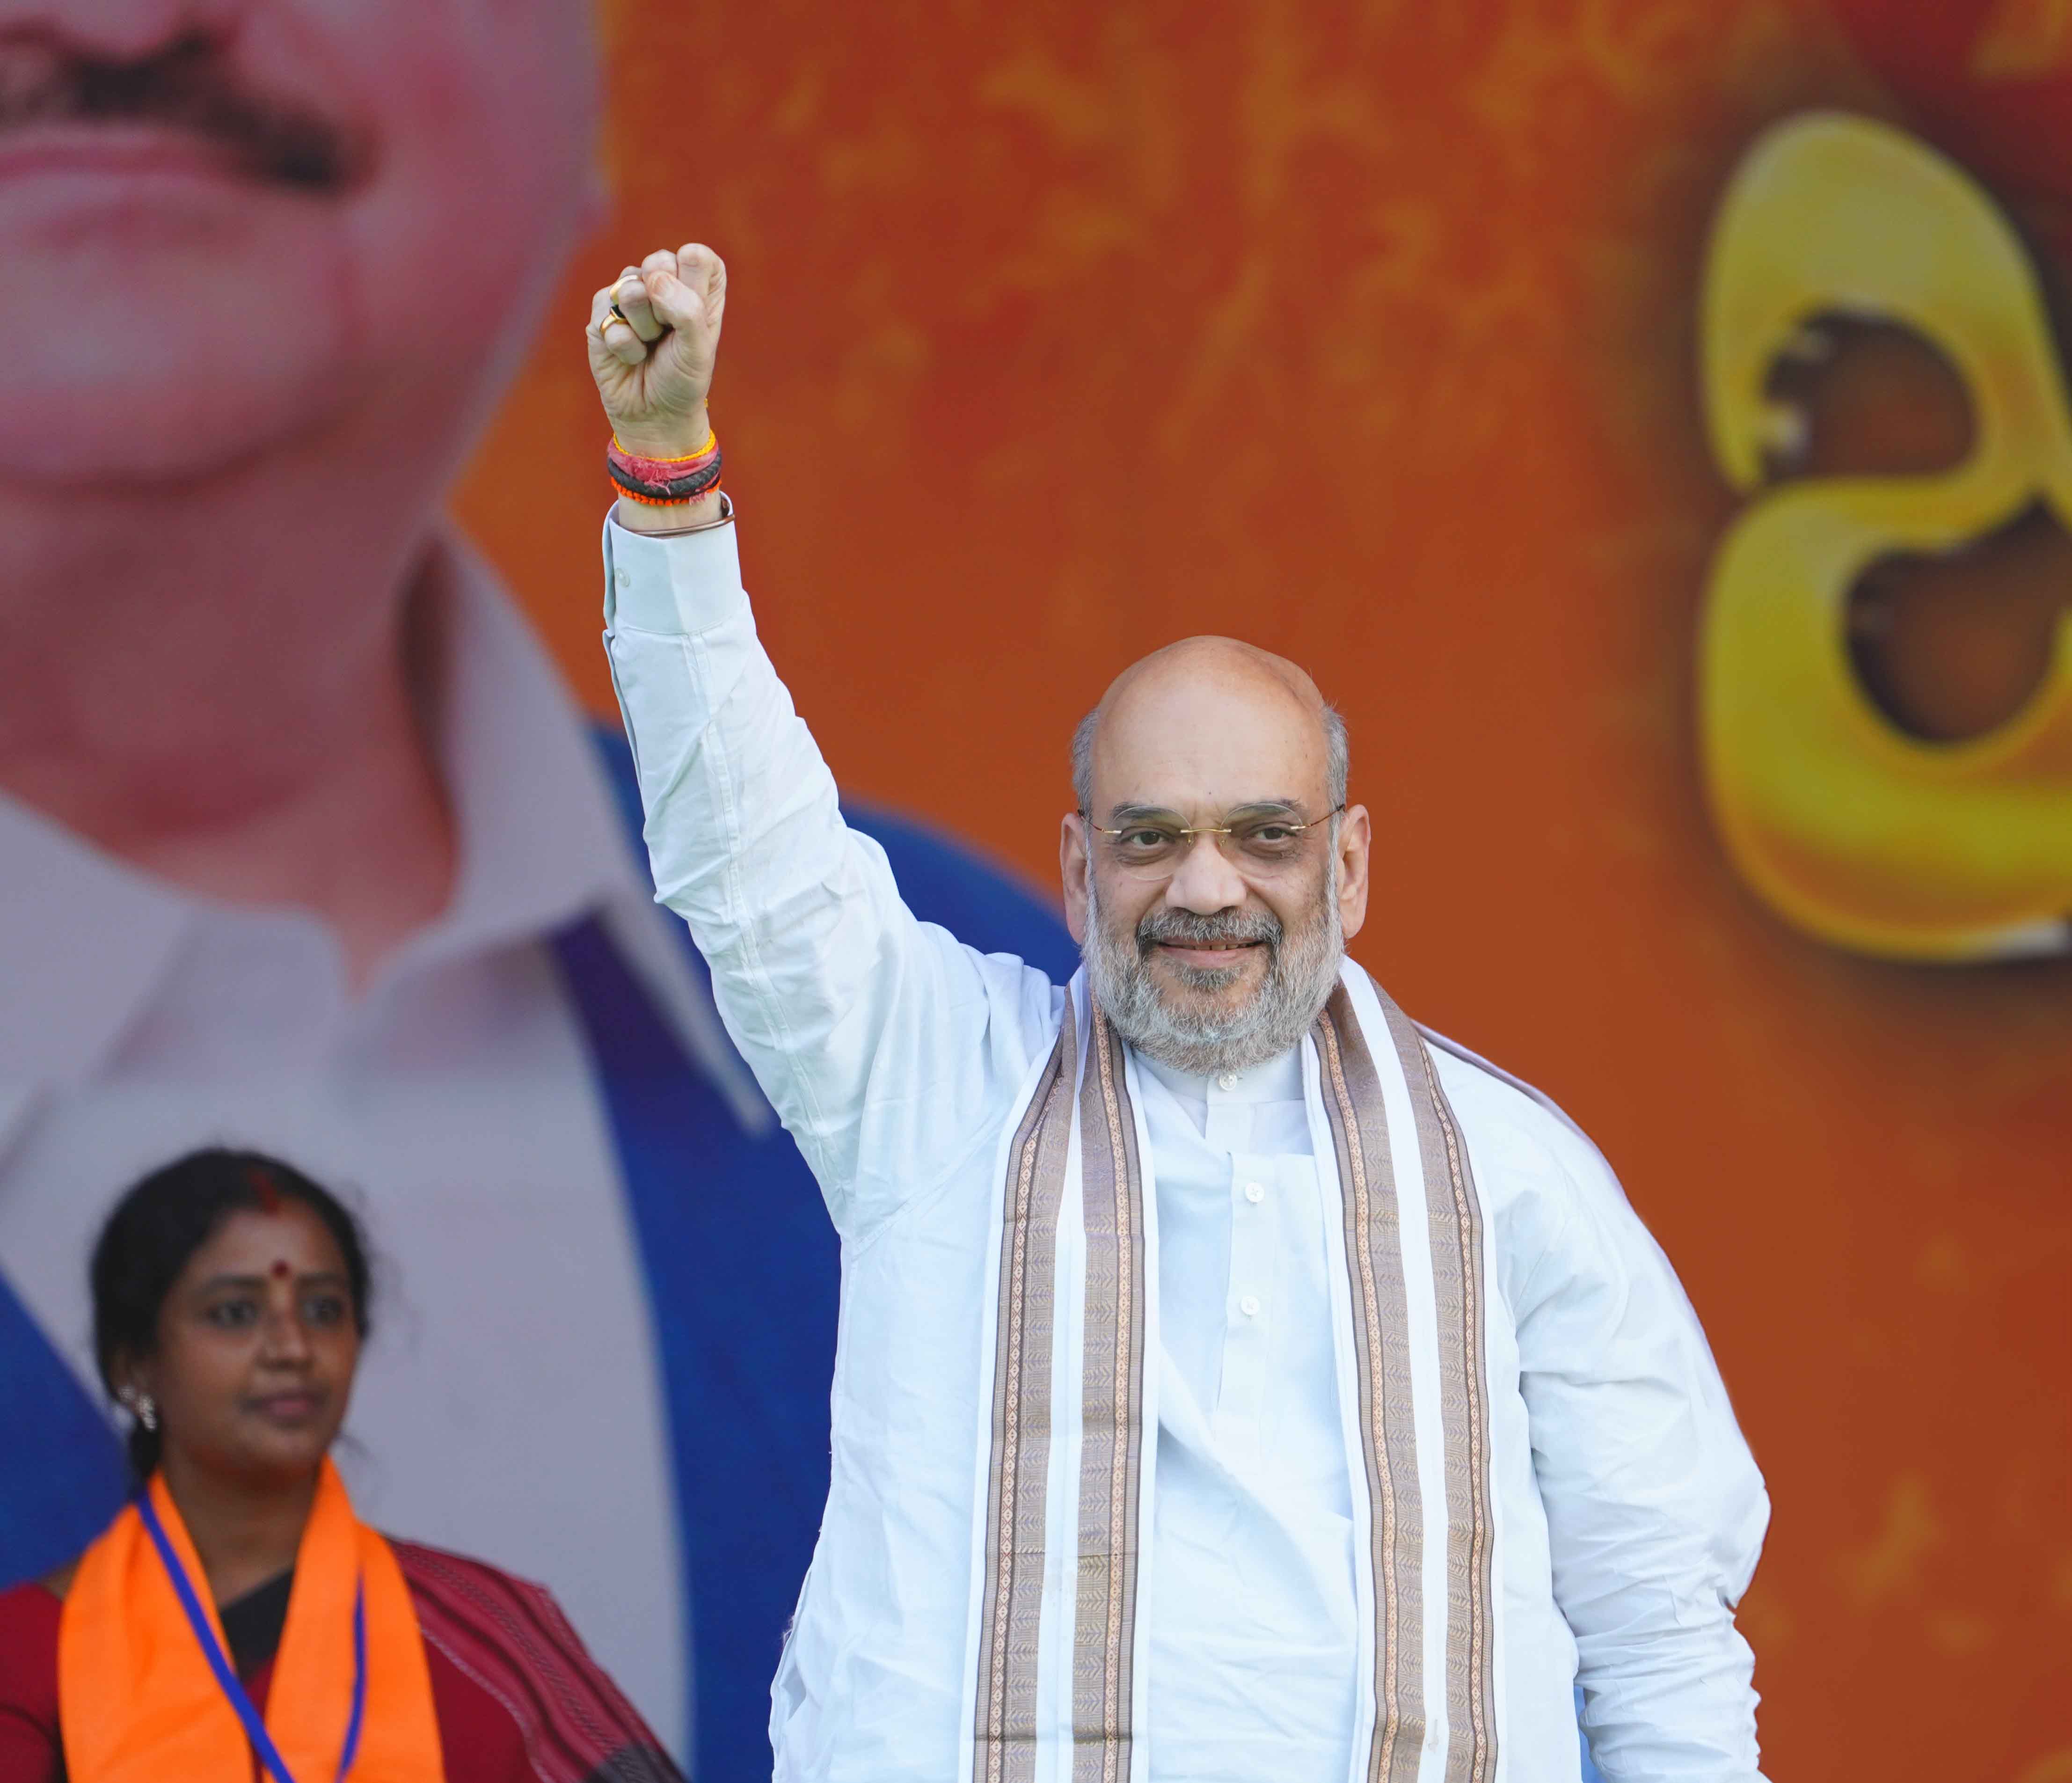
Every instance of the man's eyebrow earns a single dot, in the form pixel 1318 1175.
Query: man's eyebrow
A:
pixel 1159 813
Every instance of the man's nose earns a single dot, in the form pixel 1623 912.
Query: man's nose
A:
pixel 1205 881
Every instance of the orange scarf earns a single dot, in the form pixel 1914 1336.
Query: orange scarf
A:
pixel 138 1702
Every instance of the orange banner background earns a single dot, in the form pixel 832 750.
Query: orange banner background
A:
pixel 1368 334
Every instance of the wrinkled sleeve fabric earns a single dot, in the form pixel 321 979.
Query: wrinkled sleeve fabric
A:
pixel 1655 1511
pixel 887 1049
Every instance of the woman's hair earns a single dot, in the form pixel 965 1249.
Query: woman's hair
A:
pixel 163 1221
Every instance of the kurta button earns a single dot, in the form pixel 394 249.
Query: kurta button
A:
pixel 1249 1306
pixel 1228 1080
pixel 1254 1193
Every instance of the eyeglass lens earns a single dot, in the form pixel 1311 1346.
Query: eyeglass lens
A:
pixel 1260 846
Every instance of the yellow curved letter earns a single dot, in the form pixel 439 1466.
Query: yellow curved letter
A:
pixel 1850 828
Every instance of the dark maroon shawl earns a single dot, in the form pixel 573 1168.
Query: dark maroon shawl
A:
pixel 518 1699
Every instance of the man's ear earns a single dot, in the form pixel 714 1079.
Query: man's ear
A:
pixel 1073 867
pixel 1355 840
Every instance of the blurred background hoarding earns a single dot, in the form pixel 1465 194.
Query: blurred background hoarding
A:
pixel 1648 420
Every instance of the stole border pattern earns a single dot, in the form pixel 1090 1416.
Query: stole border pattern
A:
pixel 1009 1645
pixel 1112 1422
pixel 1457 1239
pixel 1374 1252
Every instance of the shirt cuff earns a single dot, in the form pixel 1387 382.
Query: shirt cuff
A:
pixel 677 586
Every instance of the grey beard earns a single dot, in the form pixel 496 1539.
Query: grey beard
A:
pixel 1300 975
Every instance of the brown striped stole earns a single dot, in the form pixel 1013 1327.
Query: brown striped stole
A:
pixel 1090 1096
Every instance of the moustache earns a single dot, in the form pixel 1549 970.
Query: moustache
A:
pixel 191 85
pixel 1192 929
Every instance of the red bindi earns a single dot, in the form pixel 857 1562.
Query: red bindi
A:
pixel 281 1270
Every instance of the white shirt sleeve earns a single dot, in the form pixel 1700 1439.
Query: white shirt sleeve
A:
pixel 889 1049
pixel 1655 1512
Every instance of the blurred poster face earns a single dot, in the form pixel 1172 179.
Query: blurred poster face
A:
pixel 230 230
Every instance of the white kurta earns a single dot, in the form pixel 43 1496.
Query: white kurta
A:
pixel 1254 1502
pixel 1628 1513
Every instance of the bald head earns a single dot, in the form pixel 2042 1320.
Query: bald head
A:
pixel 1210 708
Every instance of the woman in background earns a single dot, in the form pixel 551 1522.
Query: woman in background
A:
pixel 237 1619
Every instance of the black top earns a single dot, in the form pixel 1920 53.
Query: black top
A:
pixel 252 1624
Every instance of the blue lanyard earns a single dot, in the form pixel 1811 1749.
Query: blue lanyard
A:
pixel 255 1727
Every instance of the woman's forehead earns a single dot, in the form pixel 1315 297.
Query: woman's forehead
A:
pixel 250 1242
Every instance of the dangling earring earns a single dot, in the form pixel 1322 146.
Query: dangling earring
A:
pixel 145 1407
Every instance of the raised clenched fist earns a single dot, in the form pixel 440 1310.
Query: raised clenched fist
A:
pixel 654 370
